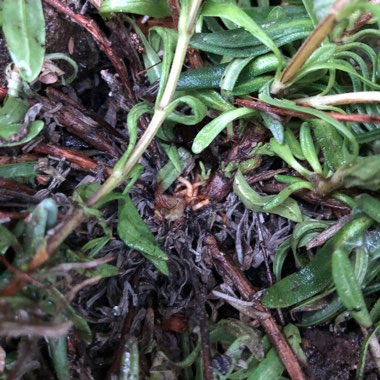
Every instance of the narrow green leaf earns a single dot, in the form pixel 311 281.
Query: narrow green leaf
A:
pixel 152 61
pixel 369 205
pixel 232 72
pixel 209 132
pixel 153 8
pixel 79 322
pixel 198 109
pixel 364 174
pixel 363 352
pixel 317 275
pixel 274 125
pixel 284 152
pixel 163 40
pixel 8 239
pixel 331 144
pixel 348 288
pixel 308 4
pixel 58 354
pixel 308 148
pixel 169 173
pixel 321 7
pixel 288 209
pixel 293 144
pixel 24 30
pixel 284 194
pixel 13 110
pixel 173 155
pixel 21 171
pixel 134 232
pixel 287 104
pixel 233 13
pixel 375 311
pixel 212 99
pixel 134 115
pixel 43 217
pixel 9 133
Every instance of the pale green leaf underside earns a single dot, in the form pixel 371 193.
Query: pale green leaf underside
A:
pixel 24 30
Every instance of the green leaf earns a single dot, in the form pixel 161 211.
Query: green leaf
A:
pixel 134 232
pixel 9 133
pixel 212 99
pixel 308 148
pixel 271 366
pixel 152 61
pixel 233 13
pixel 163 40
pixel 153 8
pixel 363 352
pixel 54 300
pixel 103 270
pixel 169 173
pixel 198 109
pixel 284 194
pixel 317 275
pixel 321 7
pixel 287 104
pixel 274 125
pixel 284 152
pixel 8 239
pixel 93 247
pixel 232 72
pixel 24 30
pixel 13 110
pixel 369 205
pixel 58 354
pixel 43 217
pixel 364 174
pixel 21 171
pixel 308 4
pixel 288 209
pixel 348 288
pixel 331 144
pixel 209 132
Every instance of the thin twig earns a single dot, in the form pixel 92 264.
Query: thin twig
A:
pixel 322 30
pixel 75 157
pixel 303 115
pixel 229 269
pixel 328 233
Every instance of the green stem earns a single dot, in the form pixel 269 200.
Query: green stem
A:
pixel 185 29
pixel 186 25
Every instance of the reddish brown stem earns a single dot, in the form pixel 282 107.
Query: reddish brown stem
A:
pixel 99 37
pixel 12 185
pixel 13 215
pixel 303 115
pixel 229 268
pixel 75 157
pixel 27 157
